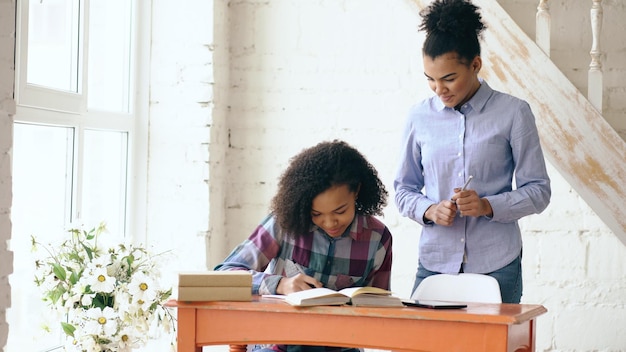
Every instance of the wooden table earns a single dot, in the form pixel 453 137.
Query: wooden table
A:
pixel 479 327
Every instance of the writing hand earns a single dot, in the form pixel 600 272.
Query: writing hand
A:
pixel 299 282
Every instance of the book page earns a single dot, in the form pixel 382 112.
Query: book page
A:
pixel 276 296
pixel 314 293
pixel 316 296
pixel 353 291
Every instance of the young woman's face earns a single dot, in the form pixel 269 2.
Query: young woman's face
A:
pixel 452 81
pixel 333 210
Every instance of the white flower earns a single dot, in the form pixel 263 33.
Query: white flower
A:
pixel 99 280
pixel 143 289
pixel 128 339
pixel 99 262
pixel 101 321
pixel 88 344
pixel 109 300
pixel 142 285
pixel 87 299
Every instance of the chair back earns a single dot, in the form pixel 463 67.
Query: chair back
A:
pixel 463 287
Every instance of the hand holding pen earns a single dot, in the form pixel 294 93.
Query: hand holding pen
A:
pixel 469 179
pixel 467 182
pixel 444 212
pixel 470 203
pixel 296 279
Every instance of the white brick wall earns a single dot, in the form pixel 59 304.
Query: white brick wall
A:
pixel 7 110
pixel 230 103
pixel 350 69
pixel 180 117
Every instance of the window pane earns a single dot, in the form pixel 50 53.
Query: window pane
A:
pixel 104 179
pixel 42 180
pixel 53 38
pixel 109 55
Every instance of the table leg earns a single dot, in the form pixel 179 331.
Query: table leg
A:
pixel 238 348
pixel 522 337
pixel 187 330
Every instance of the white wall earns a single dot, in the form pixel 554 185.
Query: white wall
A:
pixel 304 71
pixel 7 110
pixel 350 69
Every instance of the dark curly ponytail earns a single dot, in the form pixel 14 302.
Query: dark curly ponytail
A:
pixel 452 26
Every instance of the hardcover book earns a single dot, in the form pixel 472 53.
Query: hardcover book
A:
pixel 224 293
pixel 233 278
pixel 356 296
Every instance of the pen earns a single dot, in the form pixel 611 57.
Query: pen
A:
pixel 469 179
pixel 300 270
pixel 293 269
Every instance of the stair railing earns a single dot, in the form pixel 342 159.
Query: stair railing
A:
pixel 595 85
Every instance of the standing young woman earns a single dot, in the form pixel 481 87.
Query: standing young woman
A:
pixel 321 231
pixel 468 131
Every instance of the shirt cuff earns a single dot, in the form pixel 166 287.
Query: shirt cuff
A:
pixel 270 283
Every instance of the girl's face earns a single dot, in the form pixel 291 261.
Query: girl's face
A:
pixel 453 81
pixel 333 210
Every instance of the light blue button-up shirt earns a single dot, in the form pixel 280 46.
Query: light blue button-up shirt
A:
pixel 493 138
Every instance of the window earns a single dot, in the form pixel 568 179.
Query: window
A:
pixel 74 135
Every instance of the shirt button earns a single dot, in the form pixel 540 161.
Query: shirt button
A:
pixel 459 154
pixel 462 239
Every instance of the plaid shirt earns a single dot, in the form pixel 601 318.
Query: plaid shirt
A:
pixel 360 257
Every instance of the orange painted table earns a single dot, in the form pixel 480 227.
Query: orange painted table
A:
pixel 479 327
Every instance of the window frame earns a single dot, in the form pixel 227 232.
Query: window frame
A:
pixel 70 110
pixel 45 106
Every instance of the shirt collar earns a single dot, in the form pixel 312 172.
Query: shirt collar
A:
pixel 356 227
pixel 479 100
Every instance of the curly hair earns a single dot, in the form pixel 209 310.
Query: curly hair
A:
pixel 316 169
pixel 452 26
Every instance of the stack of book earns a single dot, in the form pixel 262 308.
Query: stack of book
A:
pixel 215 286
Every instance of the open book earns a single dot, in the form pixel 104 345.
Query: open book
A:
pixel 357 296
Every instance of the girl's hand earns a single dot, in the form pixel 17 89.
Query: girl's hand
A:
pixel 470 204
pixel 442 213
pixel 296 283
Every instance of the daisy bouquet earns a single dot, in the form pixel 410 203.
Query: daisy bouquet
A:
pixel 108 297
